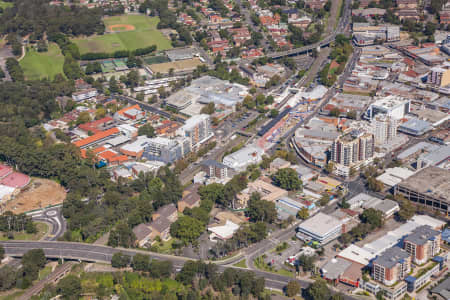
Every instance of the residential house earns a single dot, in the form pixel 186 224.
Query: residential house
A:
pixel 277 164
pixel 168 211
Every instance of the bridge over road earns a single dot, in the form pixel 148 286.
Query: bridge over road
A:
pixel 98 253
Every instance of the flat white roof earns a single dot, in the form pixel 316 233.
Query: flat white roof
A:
pixel 427 220
pixel 320 224
pixel 5 191
pixel 225 231
pixel 393 176
pixel 356 254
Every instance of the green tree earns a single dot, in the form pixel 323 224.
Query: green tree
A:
pixel 261 210
pixel 273 113
pixel 323 201
pixel 287 179
pixel 292 288
pixel 352 115
pixel 187 229
pixel 34 258
pixel 213 192
pixel 303 213
pixel 373 217
pixel 208 109
pixel 329 168
pixel 345 238
pixel 113 85
pixel 335 112
pixel 147 130
pixel 121 236
pixel 140 262
pixel 69 287
pixel 407 209
pixel 318 291
pixel 374 185
pixel 83 117
pixel 120 260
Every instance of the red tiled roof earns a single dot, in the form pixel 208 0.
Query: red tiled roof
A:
pixel 96 137
pixel 124 110
pixel 93 126
pixel 16 180
pixel 108 155
pixel 5 170
pixel 120 158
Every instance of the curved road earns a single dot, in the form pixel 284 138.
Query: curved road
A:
pixel 53 217
pixel 344 21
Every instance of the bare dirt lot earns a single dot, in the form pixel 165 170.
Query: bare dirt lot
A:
pixel 120 27
pixel 38 194
pixel 177 66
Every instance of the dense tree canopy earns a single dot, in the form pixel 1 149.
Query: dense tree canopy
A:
pixel 37 17
pixel 287 179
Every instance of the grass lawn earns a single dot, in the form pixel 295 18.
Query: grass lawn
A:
pixel 260 264
pixel 12 296
pixel 143 35
pixel 241 264
pixel 6 4
pixel 163 247
pixel 42 229
pixel 37 65
pixel 44 272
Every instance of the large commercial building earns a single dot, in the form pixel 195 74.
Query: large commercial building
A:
pixel 365 34
pixel 208 89
pixel 392 106
pixel 321 228
pixel 429 187
pixel 164 149
pixel 197 129
pixel 312 145
pixel 244 157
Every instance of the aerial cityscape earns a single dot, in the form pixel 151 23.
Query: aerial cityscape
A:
pixel 225 149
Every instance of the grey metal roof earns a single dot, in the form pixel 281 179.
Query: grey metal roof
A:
pixel 214 163
pixel 167 210
pixel 335 267
pixel 161 224
pixel 421 235
pixel 141 231
pixel 443 289
pixel 391 257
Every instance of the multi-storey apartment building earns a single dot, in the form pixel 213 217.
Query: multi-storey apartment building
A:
pixel 422 244
pixel 197 129
pixel 392 265
pixel 384 128
pixel 352 150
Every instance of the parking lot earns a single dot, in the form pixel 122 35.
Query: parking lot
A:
pixel 278 259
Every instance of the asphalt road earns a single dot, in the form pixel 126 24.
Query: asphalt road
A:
pixel 97 253
pixel 53 217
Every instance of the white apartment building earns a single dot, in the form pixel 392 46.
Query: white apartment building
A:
pixel 392 106
pixel 197 129
pixel 384 128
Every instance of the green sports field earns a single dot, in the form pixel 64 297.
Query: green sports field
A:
pixel 143 33
pixel 6 4
pixel 37 65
